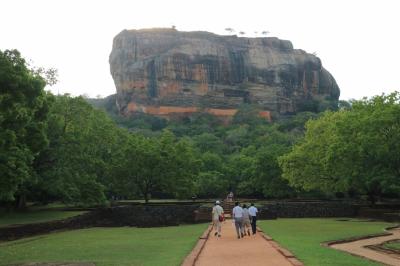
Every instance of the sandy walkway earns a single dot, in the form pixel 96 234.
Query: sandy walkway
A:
pixel 358 248
pixel 249 251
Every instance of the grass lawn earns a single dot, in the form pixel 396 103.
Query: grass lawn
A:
pixel 34 216
pixel 393 245
pixel 107 246
pixel 303 237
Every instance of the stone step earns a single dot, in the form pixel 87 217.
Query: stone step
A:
pixel 228 206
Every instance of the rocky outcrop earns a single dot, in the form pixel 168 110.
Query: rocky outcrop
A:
pixel 166 72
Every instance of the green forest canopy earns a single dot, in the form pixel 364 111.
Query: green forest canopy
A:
pixel 63 148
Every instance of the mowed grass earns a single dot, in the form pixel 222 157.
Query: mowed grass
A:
pixel 34 216
pixel 303 237
pixel 393 245
pixel 107 246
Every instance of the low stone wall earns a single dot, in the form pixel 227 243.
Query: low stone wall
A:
pixel 151 216
pixel 286 209
pixel 307 209
pixel 168 215
pixel 386 213
pixel 203 214
pixel 140 216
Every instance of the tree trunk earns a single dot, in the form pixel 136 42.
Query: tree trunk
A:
pixel 147 192
pixel 372 198
pixel 21 202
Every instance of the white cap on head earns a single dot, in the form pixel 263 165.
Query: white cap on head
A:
pixel 217 202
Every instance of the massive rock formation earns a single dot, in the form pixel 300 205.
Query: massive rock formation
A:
pixel 166 72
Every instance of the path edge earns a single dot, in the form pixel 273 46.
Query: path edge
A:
pixel 329 244
pixel 286 253
pixel 191 259
pixel 356 238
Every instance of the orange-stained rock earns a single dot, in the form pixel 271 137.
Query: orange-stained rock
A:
pixel 170 88
pixel 202 89
pixel 265 114
pixel 133 84
pixel 221 112
pixel 200 73
pixel 166 111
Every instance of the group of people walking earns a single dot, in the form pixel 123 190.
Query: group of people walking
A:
pixel 243 218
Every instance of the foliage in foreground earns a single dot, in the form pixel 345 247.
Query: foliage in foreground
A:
pixel 354 150
pixel 107 246
pixel 23 112
pixel 303 237
pixel 62 148
pixel 145 166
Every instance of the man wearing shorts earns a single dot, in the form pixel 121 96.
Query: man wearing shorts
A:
pixel 217 212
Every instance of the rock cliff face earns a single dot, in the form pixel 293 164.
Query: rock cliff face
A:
pixel 166 72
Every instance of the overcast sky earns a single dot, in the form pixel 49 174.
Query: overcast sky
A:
pixel 357 41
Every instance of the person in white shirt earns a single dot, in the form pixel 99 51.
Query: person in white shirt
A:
pixel 253 215
pixel 246 220
pixel 230 196
pixel 217 213
pixel 237 214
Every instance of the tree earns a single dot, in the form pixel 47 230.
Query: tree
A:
pixel 248 114
pixel 265 32
pixel 208 142
pixel 237 137
pixel 211 162
pixel 49 75
pixel 150 165
pixel 230 30
pixel 350 150
pixel 239 172
pixel 75 166
pixel 211 184
pixel 310 165
pixel 344 104
pixel 23 111
pixel 296 122
pixel 267 174
pixel 184 167
pixel 211 181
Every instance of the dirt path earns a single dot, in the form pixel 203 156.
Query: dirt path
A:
pixel 228 250
pixel 358 247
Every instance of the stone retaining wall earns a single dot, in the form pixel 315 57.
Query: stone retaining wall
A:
pixel 284 209
pixel 140 216
pixel 307 209
pixel 203 214
pixel 168 215
pixel 386 213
